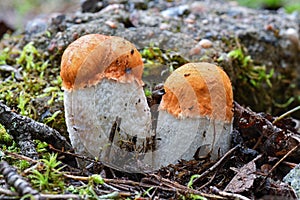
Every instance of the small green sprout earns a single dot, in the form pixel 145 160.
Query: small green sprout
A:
pixel 48 177
pixel 23 164
pixel 148 92
pixel 4 55
pixel 87 191
pixel 190 185
pixel 5 138
pixel 11 148
pixel 22 101
pixel 27 56
pixel 147 191
pixel 41 147
pixel 52 118
pixel 255 75
pixel 96 178
pixel 238 54
pixel 193 177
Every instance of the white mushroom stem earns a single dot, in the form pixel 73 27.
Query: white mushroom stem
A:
pixel 191 138
pixel 101 117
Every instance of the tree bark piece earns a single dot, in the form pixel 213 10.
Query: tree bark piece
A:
pixel 25 129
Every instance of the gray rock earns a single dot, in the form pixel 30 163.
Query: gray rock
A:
pixel 293 179
pixel 271 38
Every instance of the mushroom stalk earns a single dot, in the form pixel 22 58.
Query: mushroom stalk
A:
pixel 112 125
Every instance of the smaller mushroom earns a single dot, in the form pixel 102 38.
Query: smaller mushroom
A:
pixel 195 114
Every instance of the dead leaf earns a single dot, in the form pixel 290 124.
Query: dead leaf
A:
pixel 243 180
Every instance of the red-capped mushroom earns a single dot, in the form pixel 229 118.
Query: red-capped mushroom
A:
pixel 195 114
pixel 105 107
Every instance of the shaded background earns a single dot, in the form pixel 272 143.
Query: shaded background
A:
pixel 16 13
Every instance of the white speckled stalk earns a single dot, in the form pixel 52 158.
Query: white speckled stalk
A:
pixel 182 138
pixel 110 109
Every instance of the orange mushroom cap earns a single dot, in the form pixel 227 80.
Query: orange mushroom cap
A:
pixel 198 90
pixel 93 57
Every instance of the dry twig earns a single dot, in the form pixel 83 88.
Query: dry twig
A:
pixel 277 163
pixel 216 165
pixel 215 190
pixel 286 114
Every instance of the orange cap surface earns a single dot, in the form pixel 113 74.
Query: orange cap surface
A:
pixel 93 57
pixel 198 90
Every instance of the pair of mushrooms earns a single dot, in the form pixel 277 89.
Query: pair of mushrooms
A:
pixel 108 117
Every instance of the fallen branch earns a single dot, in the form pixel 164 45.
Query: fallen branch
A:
pixel 15 180
pixel 42 196
pixel 281 160
pixel 20 157
pixel 25 128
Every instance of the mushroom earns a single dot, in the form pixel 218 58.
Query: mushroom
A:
pixel 108 117
pixel 106 111
pixel 195 114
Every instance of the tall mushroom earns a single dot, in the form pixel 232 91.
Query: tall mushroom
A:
pixel 195 114
pixel 105 107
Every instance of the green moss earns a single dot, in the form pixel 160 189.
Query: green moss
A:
pixel 41 147
pixel 147 92
pixel 33 89
pixel 263 88
pixel 257 76
pixel 8 145
pixel 48 176
pixel 289 5
pixel 253 82
pixel 23 164
pixel 292 7
pixel 154 55
pixel 159 64
pixel 4 56
pixel 5 138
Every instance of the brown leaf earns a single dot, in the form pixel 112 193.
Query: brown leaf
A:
pixel 243 180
